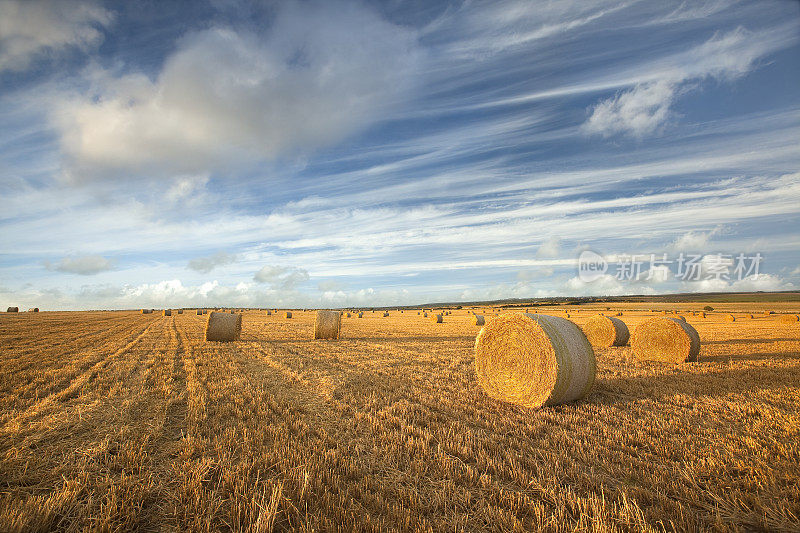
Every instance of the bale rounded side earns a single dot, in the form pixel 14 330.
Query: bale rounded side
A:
pixel 223 327
pixel 438 318
pixel 534 360
pixel 606 331
pixel 288 314
pixel 327 325
pixel 33 310
pixel 167 312
pixel 480 320
pixel 665 339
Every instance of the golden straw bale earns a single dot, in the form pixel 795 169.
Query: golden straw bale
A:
pixel 360 314
pixel 438 318
pixel 534 360
pixel 386 313
pixel 730 318
pixel 606 331
pixel 180 311
pixel 269 312
pixel 327 325
pixel 665 339
pixel 12 310
pixel 223 327
pixel 199 311
pixel 167 312
pixel 288 314
pixel 788 319
pixel 424 315
pixel 33 310
pixel 479 320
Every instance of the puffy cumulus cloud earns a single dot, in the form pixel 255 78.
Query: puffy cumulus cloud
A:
pixel 281 277
pixel 207 264
pixel 642 110
pixel 758 282
pixel 694 240
pixel 33 28
pixel 638 112
pixel 550 248
pixel 329 286
pixel 86 265
pixel 324 71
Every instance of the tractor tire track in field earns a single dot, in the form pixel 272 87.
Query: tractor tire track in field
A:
pixel 177 406
pixel 72 388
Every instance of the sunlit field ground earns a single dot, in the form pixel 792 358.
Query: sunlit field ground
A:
pixel 118 420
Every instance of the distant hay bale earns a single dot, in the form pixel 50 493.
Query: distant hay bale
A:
pixel 663 312
pixel 223 327
pixel 533 360
pixel 12 310
pixel 424 315
pixel 269 313
pixel 386 313
pixel 199 311
pixel 438 318
pixel 146 311
pixel 750 316
pixel 348 315
pixel 327 325
pixel 288 314
pixel 788 319
pixel 233 311
pixel 606 331
pixel 567 315
pixel 418 312
pixel 180 311
pixel 360 314
pixel 730 318
pixel 665 339
pixel 167 312
pixel 479 320
pixel 33 310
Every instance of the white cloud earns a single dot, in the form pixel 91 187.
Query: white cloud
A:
pixel 549 248
pixel 694 241
pixel 226 98
pixel 281 277
pixel 207 264
pixel 31 28
pixel 329 286
pixel 645 108
pixel 638 112
pixel 84 265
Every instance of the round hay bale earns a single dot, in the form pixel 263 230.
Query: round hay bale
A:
pixel 703 314
pixel 479 320
pixel 789 319
pixel 360 314
pixel 180 311
pixel 269 313
pixel 665 339
pixel 288 314
pixel 348 315
pixel 424 315
pixel 681 317
pixel 567 315
pixel 223 327
pixel 146 311
pixel 199 311
pixel 750 316
pixel 534 360
pixel 606 331
pixel 327 325
pixel 438 318
pixel 386 313
pixel 233 311
pixel 730 318
pixel 167 312
pixel 663 312
pixel 33 310
pixel 12 310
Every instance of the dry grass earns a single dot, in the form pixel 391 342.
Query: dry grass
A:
pixel 123 421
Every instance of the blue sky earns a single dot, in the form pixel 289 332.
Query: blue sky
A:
pixel 326 154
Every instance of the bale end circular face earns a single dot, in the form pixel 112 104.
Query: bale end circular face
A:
pixel 223 327
pixel 533 360
pixel 606 331
pixel 666 339
pixel 327 325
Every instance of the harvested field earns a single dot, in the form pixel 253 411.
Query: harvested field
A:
pixel 124 420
